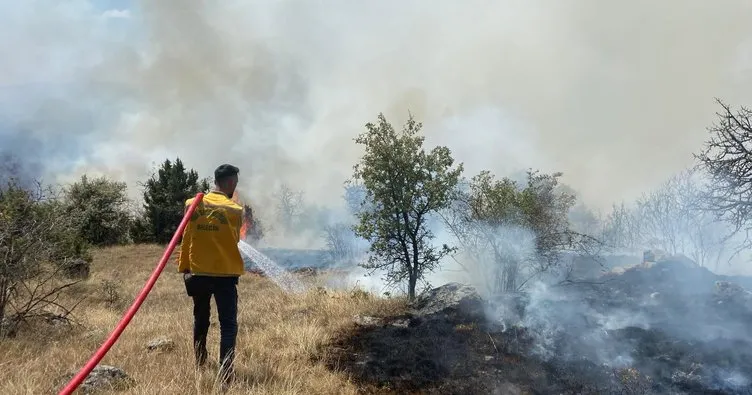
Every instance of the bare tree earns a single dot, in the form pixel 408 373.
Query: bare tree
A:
pixel 290 207
pixel 727 159
pixel 621 229
pixel 36 249
pixel 340 241
pixel 671 218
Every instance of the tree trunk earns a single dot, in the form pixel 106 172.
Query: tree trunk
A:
pixel 3 302
pixel 412 282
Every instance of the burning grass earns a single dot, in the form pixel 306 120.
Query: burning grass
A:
pixel 282 340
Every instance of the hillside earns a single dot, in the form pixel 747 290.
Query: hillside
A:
pixel 281 342
pixel 664 327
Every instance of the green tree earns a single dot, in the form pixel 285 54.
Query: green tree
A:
pixel 101 208
pixel 38 245
pixel 513 233
pixel 404 185
pixel 165 194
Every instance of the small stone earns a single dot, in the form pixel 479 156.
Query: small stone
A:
pixel 161 344
pixel 488 358
pixel 104 377
pixel 364 320
pixel 452 299
pixel 401 323
pixel 507 389
pixel 8 328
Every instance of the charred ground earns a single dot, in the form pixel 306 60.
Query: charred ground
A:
pixel 666 327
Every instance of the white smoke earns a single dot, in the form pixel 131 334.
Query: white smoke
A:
pixel 615 95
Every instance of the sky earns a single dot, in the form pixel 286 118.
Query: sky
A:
pixel 617 95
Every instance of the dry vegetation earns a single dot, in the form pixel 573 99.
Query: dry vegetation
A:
pixel 282 339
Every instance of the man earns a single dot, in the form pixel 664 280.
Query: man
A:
pixel 211 265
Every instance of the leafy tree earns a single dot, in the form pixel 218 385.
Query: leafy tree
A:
pixel 404 185
pixel 165 194
pixel 513 233
pixel 727 160
pixel 101 207
pixel 37 247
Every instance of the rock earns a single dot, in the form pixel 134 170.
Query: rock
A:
pixel 364 320
pixel 77 269
pixel 104 377
pixel 732 295
pixel 161 344
pixel 456 300
pixel 729 290
pixel 654 255
pixel 8 328
pixel 687 380
pixel 507 389
pixel 306 271
pixel 401 323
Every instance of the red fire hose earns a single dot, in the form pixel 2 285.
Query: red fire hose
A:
pixel 94 360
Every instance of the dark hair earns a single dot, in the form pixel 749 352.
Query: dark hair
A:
pixel 224 172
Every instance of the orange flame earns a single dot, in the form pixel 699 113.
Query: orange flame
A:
pixel 246 216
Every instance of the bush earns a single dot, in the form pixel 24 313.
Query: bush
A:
pixel 38 244
pixel 100 207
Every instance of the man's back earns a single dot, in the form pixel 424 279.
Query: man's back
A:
pixel 210 240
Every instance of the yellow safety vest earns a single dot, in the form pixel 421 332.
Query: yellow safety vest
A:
pixel 210 240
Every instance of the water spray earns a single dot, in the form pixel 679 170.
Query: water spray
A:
pixel 275 272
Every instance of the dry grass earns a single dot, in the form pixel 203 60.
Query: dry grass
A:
pixel 282 338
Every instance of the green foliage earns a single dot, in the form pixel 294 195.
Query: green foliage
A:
pixel 164 196
pixel 539 206
pixel 404 185
pixel 38 241
pixel 100 207
pixel 520 230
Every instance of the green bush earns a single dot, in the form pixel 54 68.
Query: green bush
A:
pixel 100 209
pixel 39 242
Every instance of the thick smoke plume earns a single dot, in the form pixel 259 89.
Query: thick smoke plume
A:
pixel 614 94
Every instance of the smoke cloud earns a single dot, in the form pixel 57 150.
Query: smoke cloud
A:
pixel 617 95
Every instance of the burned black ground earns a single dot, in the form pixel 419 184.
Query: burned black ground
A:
pixel 667 328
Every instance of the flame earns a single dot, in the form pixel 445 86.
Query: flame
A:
pixel 246 216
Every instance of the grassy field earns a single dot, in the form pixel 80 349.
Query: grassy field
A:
pixel 282 339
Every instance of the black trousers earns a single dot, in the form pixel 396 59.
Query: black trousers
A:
pixel 225 292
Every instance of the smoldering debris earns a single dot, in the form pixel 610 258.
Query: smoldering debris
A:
pixel 678 324
pixel 664 327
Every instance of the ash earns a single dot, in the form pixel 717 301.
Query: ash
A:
pixel 670 326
